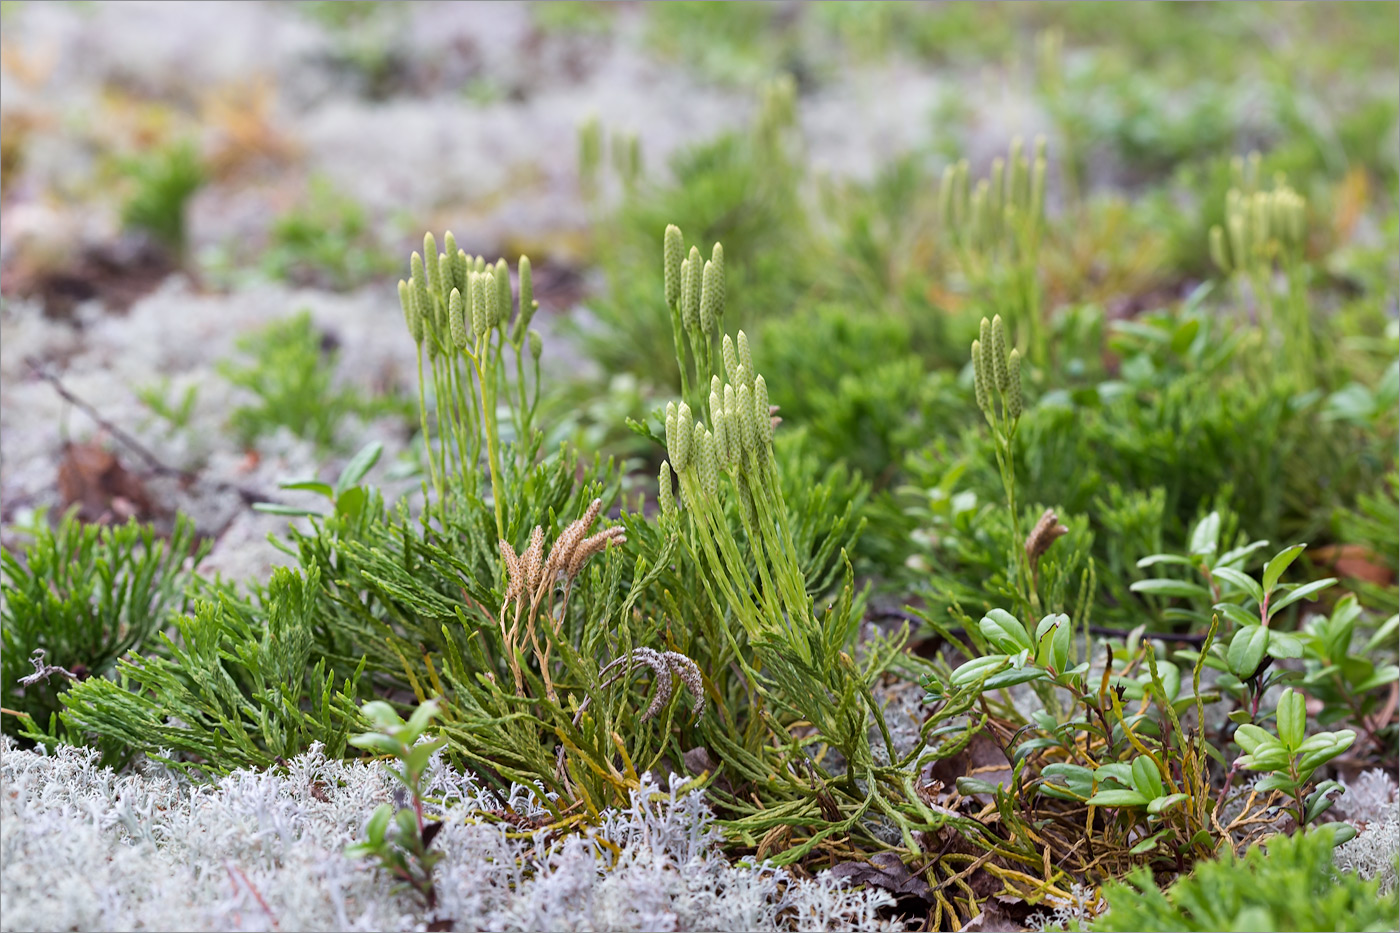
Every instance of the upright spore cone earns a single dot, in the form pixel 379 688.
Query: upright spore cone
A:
pixel 692 298
pixel 710 292
pixel 456 318
pixel 762 410
pixel 690 311
pixel 503 298
pixel 717 260
pixel 731 358
pixel 1013 389
pixel 665 495
pixel 672 255
pixel 979 375
pixel 998 350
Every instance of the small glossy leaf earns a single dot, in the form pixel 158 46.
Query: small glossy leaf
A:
pixel 376 742
pixel 1146 779
pixel 1284 645
pixel 1246 650
pixel 421 717
pixel 1013 677
pixel 1385 635
pixel 1118 798
pixel 1340 832
pixel 1165 559
pixel 1005 632
pixel 1337 742
pixel 417 760
pixel 1280 562
pixel 1240 616
pixel 1161 804
pixel 309 485
pixel 1052 639
pixel 1076 778
pixel 1321 799
pixel 1150 843
pixel 1383 675
pixel 1282 677
pixel 351 501
pixel 968 786
pixel 359 465
pixel 1119 771
pixel 1306 591
pixel 1291 719
pixel 1242 581
pixel 1249 737
pixel 974 670
pixel 378 823
pixel 381 714
pixel 406 823
pixel 1059 792
pixel 1279 780
pixel 1237 555
pixel 1185 335
pixel 1163 587
pixel 1033 745
pixel 1205 535
pixel 1269 757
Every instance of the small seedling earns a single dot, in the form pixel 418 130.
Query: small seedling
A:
pixel 175 412
pixel 404 851
pixel 347 497
pixel 292 376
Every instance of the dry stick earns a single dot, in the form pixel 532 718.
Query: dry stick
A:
pixel 248 495
pixel 232 869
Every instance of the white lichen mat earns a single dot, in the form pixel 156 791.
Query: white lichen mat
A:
pixel 82 848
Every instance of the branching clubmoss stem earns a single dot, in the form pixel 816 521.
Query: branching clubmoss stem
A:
pixel 488 412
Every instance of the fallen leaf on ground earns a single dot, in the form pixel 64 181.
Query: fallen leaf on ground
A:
pixel 91 477
pixel 885 870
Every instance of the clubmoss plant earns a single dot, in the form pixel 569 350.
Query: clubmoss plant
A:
pixel 996 380
pixel 995 228
pixel 79 598
pixel 292 376
pixel 458 312
pixel 162 183
pixel 1262 230
pixel 328 240
pixel 236 687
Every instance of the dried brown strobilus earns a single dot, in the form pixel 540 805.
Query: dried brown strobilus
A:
pixel 1044 534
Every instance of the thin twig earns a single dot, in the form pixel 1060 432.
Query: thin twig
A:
pixel 154 463
pixel 254 891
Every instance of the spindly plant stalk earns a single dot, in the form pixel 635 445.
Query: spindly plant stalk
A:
pixel 793 659
pixel 406 853
pixel 1261 228
pixel 458 309
pixel 996 380
pixel 995 229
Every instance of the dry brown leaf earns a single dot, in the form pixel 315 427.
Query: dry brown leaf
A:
pixel 91 477
pixel 885 870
